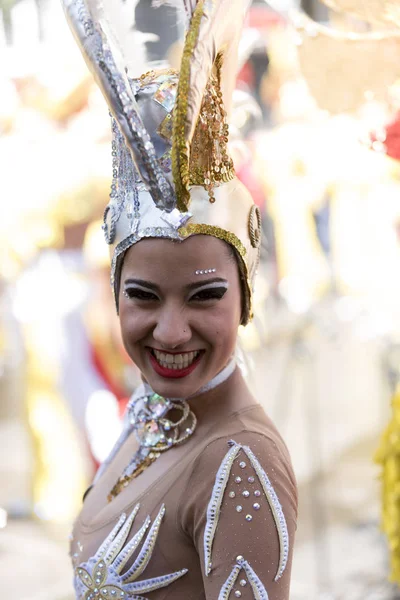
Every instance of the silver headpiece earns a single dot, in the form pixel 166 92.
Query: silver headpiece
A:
pixel 172 175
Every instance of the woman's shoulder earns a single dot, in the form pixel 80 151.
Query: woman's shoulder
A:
pixel 246 455
pixel 251 432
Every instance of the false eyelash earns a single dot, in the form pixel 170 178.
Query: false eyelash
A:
pixel 210 294
pixel 139 294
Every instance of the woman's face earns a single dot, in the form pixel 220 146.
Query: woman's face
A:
pixel 179 327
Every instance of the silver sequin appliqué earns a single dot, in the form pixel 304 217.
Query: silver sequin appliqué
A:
pixel 259 591
pixel 101 576
pixel 214 506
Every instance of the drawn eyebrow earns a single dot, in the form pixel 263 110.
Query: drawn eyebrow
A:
pixel 206 283
pixel 216 285
pixel 195 286
pixel 142 283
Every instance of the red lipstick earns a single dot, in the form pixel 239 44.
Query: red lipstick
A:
pixel 173 373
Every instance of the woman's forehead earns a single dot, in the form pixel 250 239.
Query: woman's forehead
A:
pixel 198 252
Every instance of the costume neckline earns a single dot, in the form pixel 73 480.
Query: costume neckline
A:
pixel 144 389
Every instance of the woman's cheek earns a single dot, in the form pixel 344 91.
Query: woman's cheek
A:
pixel 133 327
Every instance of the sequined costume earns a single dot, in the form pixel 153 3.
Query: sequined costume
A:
pixel 202 507
pixel 213 518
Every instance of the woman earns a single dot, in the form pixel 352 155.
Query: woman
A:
pixel 197 499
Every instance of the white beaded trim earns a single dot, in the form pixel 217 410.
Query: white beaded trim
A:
pixel 259 591
pixel 102 573
pixel 277 511
pixel 214 506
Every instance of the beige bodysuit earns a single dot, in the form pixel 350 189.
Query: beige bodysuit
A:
pixel 211 519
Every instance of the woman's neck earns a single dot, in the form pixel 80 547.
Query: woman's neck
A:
pixel 229 395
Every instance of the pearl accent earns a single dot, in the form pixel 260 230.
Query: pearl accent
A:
pixel 205 271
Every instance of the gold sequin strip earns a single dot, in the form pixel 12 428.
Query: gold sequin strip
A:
pixel 218 232
pixel 180 150
pixel 124 480
pixel 204 160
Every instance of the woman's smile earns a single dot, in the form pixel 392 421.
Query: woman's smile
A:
pixel 174 365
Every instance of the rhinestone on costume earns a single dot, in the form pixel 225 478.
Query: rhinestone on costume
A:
pixel 242 464
pixel 256 506
pixel 246 493
pixel 238 594
pixel 232 494
pixel 239 558
pixel 249 518
pixel 257 493
pixel 239 508
pixel 238 479
pixel 250 479
pixel 243 582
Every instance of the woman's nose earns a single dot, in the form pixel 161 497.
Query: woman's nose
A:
pixel 172 330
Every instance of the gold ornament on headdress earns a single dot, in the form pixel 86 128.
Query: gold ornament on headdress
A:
pixel 205 160
pixel 172 175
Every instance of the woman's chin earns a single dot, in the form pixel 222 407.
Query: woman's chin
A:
pixel 175 388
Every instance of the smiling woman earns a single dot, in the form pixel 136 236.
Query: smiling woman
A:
pixel 179 329
pixel 197 500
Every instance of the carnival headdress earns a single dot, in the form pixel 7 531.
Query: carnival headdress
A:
pixel 172 174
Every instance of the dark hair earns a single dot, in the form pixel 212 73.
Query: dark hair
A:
pixel 244 290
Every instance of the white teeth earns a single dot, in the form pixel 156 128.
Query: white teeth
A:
pixel 175 361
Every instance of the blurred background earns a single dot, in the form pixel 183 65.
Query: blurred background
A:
pixel 315 135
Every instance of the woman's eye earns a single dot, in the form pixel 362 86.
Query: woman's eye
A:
pixel 139 294
pixel 209 294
